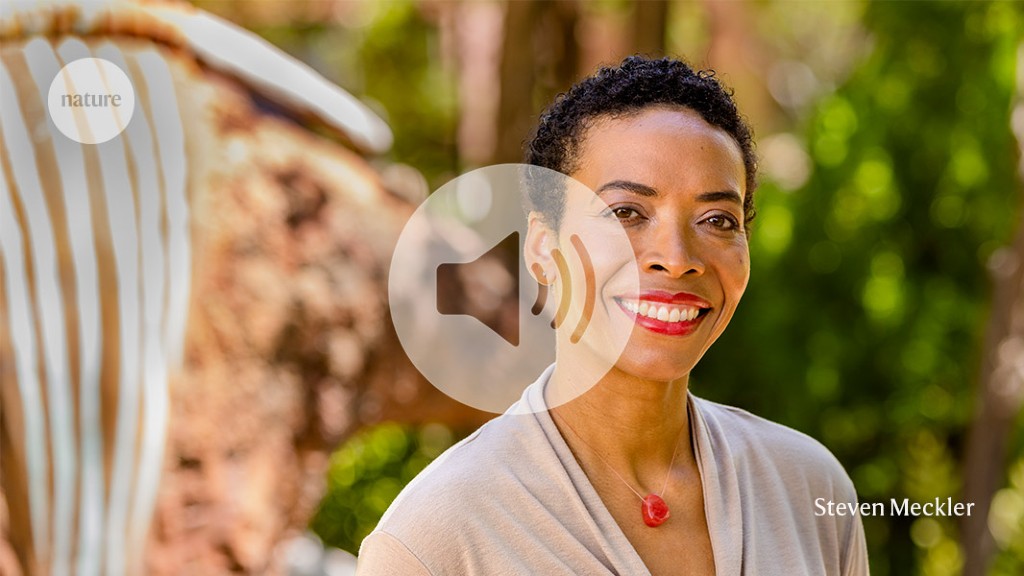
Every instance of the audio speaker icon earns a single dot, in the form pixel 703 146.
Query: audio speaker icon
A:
pixel 468 327
pixel 450 273
pixel 565 301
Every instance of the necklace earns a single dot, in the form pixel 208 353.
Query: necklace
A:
pixel 652 507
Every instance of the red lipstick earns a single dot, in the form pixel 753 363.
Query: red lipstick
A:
pixel 682 301
pixel 663 297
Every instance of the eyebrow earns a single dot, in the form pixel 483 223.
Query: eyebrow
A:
pixel 727 195
pixel 645 190
pixel 628 186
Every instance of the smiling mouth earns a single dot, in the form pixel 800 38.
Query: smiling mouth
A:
pixel 662 317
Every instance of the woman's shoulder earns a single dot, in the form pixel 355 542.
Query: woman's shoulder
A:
pixel 779 475
pixel 759 442
pixel 472 497
pixel 472 476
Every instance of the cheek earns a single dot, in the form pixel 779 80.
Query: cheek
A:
pixel 602 254
pixel 735 274
pixel 594 275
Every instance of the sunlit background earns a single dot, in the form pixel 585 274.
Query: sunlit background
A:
pixel 885 312
pixel 889 199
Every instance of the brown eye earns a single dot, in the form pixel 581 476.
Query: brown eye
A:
pixel 622 213
pixel 723 222
pixel 625 213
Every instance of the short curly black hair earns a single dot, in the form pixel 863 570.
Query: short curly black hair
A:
pixel 615 91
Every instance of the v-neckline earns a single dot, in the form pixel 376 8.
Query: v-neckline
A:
pixel 702 449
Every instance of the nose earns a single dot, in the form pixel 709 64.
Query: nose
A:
pixel 671 250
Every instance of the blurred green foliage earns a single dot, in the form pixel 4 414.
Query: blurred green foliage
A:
pixel 1007 523
pixel 367 473
pixel 863 321
pixel 402 69
pixel 390 55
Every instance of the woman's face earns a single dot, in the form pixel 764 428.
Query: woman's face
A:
pixel 676 185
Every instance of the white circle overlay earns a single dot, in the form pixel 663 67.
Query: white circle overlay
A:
pixel 91 100
pixel 460 223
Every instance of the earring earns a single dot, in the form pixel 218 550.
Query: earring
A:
pixel 540 275
pixel 542 288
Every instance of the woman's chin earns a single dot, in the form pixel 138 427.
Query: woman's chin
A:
pixel 656 368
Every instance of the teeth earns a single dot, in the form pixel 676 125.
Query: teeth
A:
pixel 662 313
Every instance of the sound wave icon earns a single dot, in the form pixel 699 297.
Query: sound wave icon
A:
pixel 566 299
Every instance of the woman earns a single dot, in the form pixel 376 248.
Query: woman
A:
pixel 637 475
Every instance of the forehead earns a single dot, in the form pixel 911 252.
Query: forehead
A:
pixel 664 147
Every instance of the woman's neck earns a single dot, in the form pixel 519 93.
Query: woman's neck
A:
pixel 631 424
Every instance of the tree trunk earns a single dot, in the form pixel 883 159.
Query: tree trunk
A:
pixel 1000 398
pixel 539 59
pixel 516 77
pixel 999 402
pixel 649 18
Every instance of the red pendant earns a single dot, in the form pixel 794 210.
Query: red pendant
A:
pixel 655 510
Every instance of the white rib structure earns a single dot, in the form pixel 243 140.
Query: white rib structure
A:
pixel 96 262
pixel 95 242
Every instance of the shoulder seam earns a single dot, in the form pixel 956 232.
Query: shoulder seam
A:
pixel 406 548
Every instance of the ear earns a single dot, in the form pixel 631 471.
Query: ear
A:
pixel 540 240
